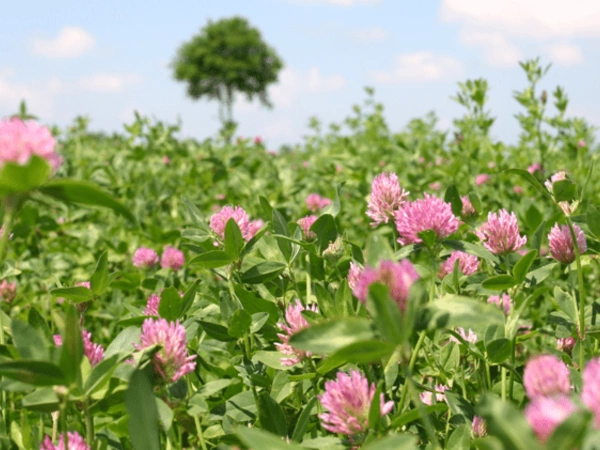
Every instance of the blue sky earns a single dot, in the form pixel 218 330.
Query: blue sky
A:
pixel 107 59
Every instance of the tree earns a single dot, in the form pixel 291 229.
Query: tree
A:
pixel 226 57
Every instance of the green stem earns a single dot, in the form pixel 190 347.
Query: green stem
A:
pixel 411 366
pixel 511 379
pixel 199 431
pixel 9 215
pixel 425 420
pixel 89 423
pixel 503 383
pixel 581 295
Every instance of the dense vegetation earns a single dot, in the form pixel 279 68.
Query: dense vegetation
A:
pixel 265 342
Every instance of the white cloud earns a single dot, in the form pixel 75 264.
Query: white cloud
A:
pixel 293 83
pixel 565 54
pixel 103 82
pixel 39 99
pixel 540 19
pixel 278 129
pixel 243 105
pixel 420 66
pixel 71 42
pixel 375 34
pixel 499 52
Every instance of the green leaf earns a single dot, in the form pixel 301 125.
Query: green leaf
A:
pixel 362 352
pixel 100 375
pixel 212 259
pixel 403 441
pixel 99 280
pixel 29 343
pixel 499 283
pixel 414 414
pixel 123 342
pixel 76 294
pixel 326 231
pixel 262 272
pixel 281 227
pixel 36 373
pixel 428 237
pixel 84 193
pixel 385 313
pixel 523 265
pixel 328 337
pixel 240 323
pixel 165 415
pixel 570 433
pixel 334 207
pixel 71 352
pixel 564 190
pixel 452 311
pixel 499 350
pixel 41 400
pixel 540 274
pixel 302 422
pixel 453 197
pixel 473 249
pixel 593 220
pixel 565 303
pixel 531 180
pixel 143 413
pixel 257 439
pixel 378 249
pixel 460 439
pixel 507 423
pixel 188 297
pixel 234 242
pixel 170 304
pixel 216 331
pixel 271 415
pixel 375 409
pixel 16 178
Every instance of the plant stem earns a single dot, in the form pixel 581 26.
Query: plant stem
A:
pixel 422 412
pixel 503 383
pixel 89 423
pixel 581 295
pixel 411 365
pixel 199 431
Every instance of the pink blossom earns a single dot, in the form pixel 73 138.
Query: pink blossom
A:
pixel 314 202
pixel 166 160
pixel 85 284
pixel 546 375
pixel 305 223
pixel 467 264
pixel 491 165
pixel 500 234
pixel 467 207
pixel 76 442
pixel 558 176
pixel 338 168
pixel 398 277
pixel 590 392
pixel 172 258
pixel 258 140
pixel 354 275
pixel 305 164
pixel 171 361
pixel 435 186
pixel 518 190
pixel 7 290
pixel 294 322
pixel 220 197
pixel 253 227
pixel 561 243
pixel 427 396
pixel 145 258
pixel 94 352
pixel 20 140
pixel 481 178
pixel 503 303
pixel 566 344
pixel 218 222
pixel 479 427
pixel 469 336
pixel 535 167
pixel 152 305
pixel 57 340
pixel 385 199
pixel 347 401
pixel 581 143
pixel 544 414
pixel 429 213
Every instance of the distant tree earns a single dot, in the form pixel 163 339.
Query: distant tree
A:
pixel 228 56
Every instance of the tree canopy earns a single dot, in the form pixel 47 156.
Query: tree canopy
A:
pixel 226 57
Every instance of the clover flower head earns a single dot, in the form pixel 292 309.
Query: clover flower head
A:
pixel 94 352
pixel 561 243
pixel 500 234
pixel 218 222
pixel 398 277
pixel 171 361
pixel 347 400
pixel 305 223
pixel 467 264
pixel 546 375
pixel 314 202
pixel 76 442
pixel 172 258
pixel 427 396
pixel 481 179
pixel 503 302
pixel 20 140
pixel 429 213
pixel 294 322
pixel 544 414
pixel 385 199
pixel 145 258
